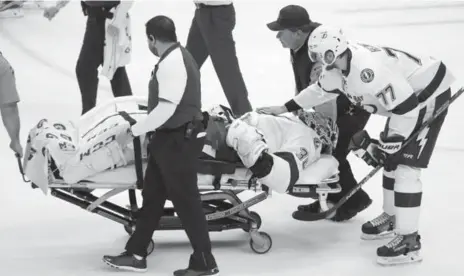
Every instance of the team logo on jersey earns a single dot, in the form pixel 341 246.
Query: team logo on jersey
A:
pixel 367 75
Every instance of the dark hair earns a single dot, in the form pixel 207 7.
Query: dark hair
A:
pixel 161 28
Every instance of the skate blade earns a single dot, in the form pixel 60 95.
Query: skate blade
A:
pixel 11 14
pixel 126 268
pixel 382 236
pixel 412 257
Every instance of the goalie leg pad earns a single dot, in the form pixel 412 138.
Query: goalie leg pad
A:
pixel 283 174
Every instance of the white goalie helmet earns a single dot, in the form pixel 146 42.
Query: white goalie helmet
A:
pixel 223 113
pixel 326 44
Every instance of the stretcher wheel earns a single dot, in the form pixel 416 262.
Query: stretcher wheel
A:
pixel 129 229
pixel 257 218
pixel 263 246
pixel 151 247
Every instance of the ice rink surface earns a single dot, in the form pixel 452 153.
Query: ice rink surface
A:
pixel 40 235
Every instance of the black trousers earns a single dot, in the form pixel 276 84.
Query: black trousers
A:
pixel 211 35
pixel 348 125
pixel 172 174
pixel 90 58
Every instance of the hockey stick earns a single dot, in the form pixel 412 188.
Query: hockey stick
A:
pixel 322 215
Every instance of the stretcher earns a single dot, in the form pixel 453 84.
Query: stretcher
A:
pixel 220 183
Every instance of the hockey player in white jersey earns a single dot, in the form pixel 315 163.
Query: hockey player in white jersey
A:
pixel 408 90
pixel 278 149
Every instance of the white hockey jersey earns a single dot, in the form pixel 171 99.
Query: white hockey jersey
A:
pixel 383 81
pixel 287 134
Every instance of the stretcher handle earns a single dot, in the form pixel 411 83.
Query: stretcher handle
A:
pixel 20 166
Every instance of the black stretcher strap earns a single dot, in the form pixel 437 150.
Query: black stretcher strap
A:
pixel 137 151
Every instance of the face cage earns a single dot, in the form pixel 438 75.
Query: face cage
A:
pixel 318 57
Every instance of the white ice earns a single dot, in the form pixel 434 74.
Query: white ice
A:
pixel 41 235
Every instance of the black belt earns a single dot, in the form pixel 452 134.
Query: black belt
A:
pixel 187 128
pixel 99 12
pixel 173 129
pixel 205 6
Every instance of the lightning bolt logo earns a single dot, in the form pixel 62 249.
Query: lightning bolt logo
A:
pixel 422 139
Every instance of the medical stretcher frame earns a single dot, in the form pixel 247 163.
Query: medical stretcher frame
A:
pixel 224 210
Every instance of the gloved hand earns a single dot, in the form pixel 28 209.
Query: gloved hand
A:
pixel 272 110
pixel 50 12
pixel 365 148
pixel 389 151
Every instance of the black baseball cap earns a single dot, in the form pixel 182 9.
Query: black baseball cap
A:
pixel 292 17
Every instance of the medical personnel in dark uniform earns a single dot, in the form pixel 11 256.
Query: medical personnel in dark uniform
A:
pixel 177 125
pixel 91 55
pixel 294 28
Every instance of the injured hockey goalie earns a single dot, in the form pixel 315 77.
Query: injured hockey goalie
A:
pixel 276 150
pixel 279 149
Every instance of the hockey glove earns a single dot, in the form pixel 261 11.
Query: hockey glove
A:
pixel 365 148
pixel 389 151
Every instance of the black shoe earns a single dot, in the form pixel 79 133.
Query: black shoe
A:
pixel 200 264
pixel 307 212
pixel 126 261
pixel 191 272
pixel 347 212
pixel 314 207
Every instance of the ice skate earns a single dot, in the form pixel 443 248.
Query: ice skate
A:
pixel 402 249
pixel 11 9
pixel 379 228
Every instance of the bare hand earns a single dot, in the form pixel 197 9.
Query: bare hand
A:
pixel 272 110
pixel 112 30
pixel 50 12
pixel 17 148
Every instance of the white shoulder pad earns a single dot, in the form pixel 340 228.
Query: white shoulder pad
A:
pixel 330 80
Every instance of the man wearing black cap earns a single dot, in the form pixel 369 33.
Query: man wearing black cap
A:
pixel 211 35
pixel 293 28
pixel 176 128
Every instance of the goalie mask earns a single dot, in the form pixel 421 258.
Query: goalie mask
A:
pixel 221 113
pixel 325 127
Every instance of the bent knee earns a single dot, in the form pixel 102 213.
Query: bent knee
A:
pixel 407 173
pixel 86 66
